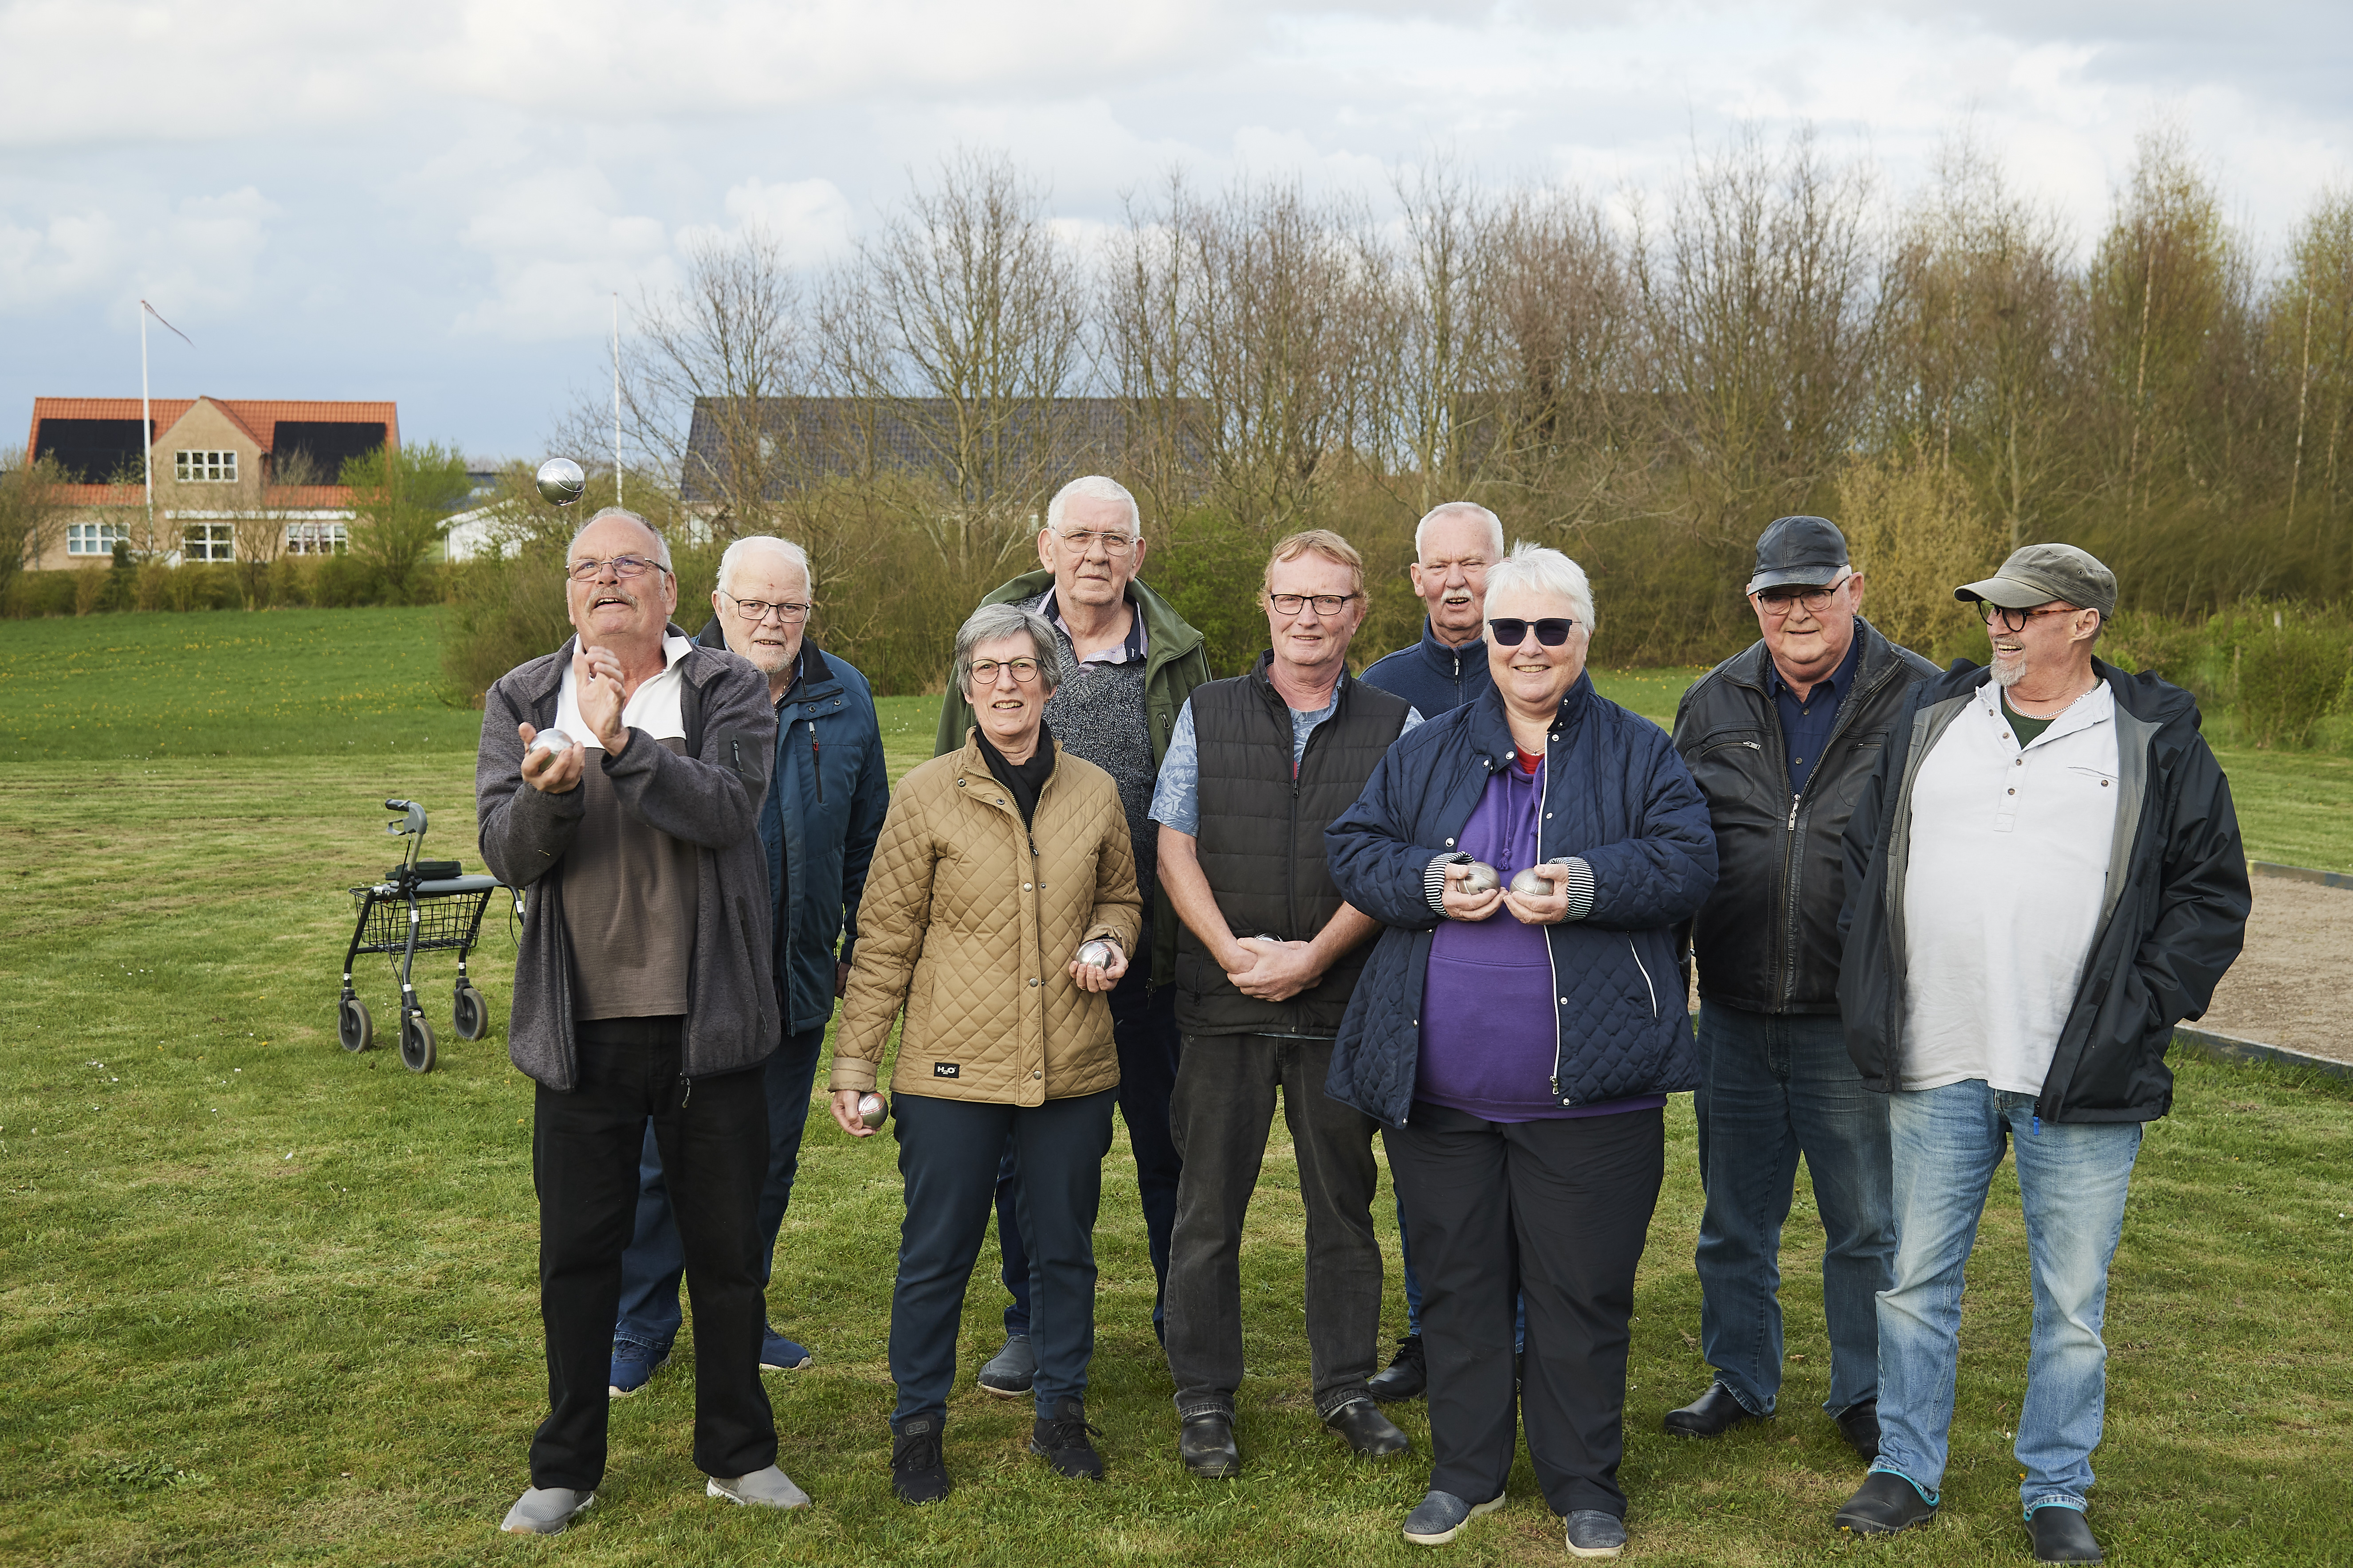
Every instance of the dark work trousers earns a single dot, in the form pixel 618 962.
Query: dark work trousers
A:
pixel 1223 1106
pixel 948 1154
pixel 650 1268
pixel 713 1133
pixel 1143 1028
pixel 1566 1204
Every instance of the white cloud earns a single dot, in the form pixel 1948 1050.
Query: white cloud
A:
pixel 72 253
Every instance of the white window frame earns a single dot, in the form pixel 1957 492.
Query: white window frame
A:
pixel 94 539
pixel 205 468
pixel 318 537
pixel 208 542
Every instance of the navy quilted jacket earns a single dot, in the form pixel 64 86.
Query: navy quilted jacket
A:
pixel 1617 797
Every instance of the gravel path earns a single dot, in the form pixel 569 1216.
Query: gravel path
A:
pixel 2293 985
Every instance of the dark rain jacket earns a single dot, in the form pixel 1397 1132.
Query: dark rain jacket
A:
pixel 2173 918
pixel 1767 938
pixel 1432 677
pixel 1615 796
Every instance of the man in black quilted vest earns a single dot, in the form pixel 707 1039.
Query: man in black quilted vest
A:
pixel 1265 966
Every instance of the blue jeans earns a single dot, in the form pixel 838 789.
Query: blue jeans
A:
pixel 2071 1179
pixel 1773 1086
pixel 650 1268
pixel 948 1150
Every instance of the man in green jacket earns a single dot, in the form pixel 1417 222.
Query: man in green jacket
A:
pixel 1128 663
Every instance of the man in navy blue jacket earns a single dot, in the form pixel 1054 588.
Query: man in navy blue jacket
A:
pixel 828 794
pixel 1454 545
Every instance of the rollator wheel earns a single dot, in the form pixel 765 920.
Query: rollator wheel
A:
pixel 469 1015
pixel 416 1042
pixel 352 1024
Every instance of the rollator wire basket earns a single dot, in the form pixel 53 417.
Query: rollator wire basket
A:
pixel 421 905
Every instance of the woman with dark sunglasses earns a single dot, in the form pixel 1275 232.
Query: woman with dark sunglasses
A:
pixel 1517 1045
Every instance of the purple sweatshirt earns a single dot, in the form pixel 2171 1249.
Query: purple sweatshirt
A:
pixel 1490 1030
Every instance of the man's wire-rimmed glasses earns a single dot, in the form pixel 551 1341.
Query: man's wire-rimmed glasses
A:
pixel 756 610
pixel 624 567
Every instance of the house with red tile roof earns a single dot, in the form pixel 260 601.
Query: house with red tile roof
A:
pixel 234 476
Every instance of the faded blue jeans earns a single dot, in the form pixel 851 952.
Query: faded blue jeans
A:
pixel 2072 1180
pixel 1773 1086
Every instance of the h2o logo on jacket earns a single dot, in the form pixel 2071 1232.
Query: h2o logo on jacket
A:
pixel 945 1070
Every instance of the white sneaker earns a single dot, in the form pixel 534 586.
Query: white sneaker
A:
pixel 546 1511
pixel 770 1488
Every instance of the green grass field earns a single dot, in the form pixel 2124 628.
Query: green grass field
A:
pixel 262 1301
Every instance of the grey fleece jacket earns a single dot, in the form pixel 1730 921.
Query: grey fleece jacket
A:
pixel 709 798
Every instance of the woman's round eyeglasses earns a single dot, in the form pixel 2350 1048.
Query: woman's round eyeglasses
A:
pixel 983 670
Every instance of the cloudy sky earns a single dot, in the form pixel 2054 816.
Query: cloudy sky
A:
pixel 435 201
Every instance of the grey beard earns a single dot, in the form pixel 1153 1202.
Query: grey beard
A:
pixel 2007 676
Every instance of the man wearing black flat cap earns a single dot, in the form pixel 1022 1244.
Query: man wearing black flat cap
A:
pixel 1781 738
pixel 2044 876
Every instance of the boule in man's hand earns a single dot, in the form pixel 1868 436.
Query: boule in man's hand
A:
pixel 551 769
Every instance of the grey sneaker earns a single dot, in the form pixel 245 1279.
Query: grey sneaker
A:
pixel 546 1511
pixel 1010 1370
pixel 1593 1534
pixel 1441 1514
pixel 770 1488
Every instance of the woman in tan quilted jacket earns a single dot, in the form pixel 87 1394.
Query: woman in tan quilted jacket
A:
pixel 996 864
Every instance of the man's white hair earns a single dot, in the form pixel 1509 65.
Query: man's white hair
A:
pixel 1445 510
pixel 1535 569
pixel 751 542
pixel 1095 487
pixel 661 545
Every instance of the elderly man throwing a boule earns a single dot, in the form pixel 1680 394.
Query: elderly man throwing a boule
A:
pixel 826 793
pixel 2043 877
pixel 1127 661
pixel 1781 738
pixel 640 992
pixel 1259 765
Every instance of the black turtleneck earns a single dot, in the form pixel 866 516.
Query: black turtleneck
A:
pixel 1026 779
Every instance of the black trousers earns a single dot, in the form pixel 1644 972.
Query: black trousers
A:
pixel 714 1137
pixel 1562 1207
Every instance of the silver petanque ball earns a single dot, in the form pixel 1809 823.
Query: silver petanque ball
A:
pixel 873 1109
pixel 550 739
pixel 1479 878
pixel 1097 953
pixel 561 481
pixel 1533 883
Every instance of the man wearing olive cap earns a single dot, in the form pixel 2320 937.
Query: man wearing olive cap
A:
pixel 2044 876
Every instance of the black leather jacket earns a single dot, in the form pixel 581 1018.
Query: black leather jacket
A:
pixel 1768 939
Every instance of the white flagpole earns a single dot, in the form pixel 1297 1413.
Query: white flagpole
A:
pixel 147 428
pixel 616 397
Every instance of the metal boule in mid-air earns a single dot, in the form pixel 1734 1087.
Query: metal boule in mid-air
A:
pixel 550 739
pixel 561 481
pixel 1097 953
pixel 1480 877
pixel 873 1109
pixel 1534 883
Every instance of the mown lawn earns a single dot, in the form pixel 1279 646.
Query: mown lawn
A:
pixel 262 1301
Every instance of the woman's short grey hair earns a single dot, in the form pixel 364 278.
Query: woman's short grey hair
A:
pixel 661 545
pixel 1535 569
pixel 991 621
pixel 753 542
pixel 1095 487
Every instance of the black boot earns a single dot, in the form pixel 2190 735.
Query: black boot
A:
pixel 1062 1438
pixel 918 1473
pixel 1207 1446
pixel 1406 1377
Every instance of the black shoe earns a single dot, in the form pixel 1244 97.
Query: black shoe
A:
pixel 918 1474
pixel 1712 1414
pixel 1206 1444
pixel 1406 1377
pixel 1062 1438
pixel 1885 1504
pixel 1860 1421
pixel 1371 1434
pixel 2061 1535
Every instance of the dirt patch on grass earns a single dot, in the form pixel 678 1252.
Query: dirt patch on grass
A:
pixel 2286 987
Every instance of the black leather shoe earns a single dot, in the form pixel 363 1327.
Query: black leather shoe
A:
pixel 1885 1504
pixel 1860 1425
pixel 1371 1434
pixel 918 1473
pixel 2061 1535
pixel 1062 1438
pixel 1206 1444
pixel 1406 1377
pixel 1712 1414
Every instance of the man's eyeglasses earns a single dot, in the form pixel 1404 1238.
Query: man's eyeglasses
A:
pixel 1781 601
pixel 1511 631
pixel 1085 539
pixel 624 566
pixel 2008 620
pixel 1326 603
pixel 756 610
pixel 1023 670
